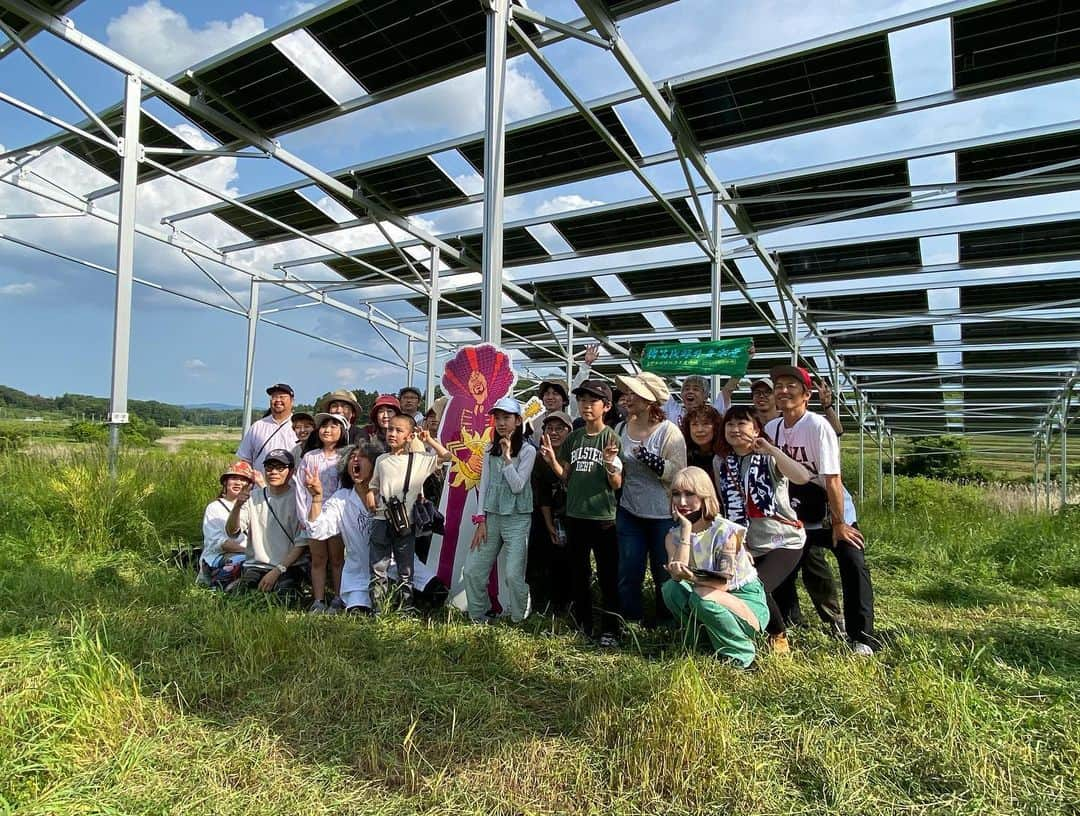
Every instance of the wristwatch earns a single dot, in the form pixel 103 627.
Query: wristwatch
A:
pixel 281 568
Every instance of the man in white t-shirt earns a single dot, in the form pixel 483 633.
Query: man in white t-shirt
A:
pixel 808 439
pixel 273 431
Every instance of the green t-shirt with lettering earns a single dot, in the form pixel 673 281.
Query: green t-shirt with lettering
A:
pixel 588 494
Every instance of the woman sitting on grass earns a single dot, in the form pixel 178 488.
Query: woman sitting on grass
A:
pixel 703 428
pixel 346 514
pixel 222 555
pixel 715 586
pixel 753 476
pixel 321 459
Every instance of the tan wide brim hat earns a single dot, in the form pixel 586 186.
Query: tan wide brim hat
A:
pixel 646 385
pixel 341 395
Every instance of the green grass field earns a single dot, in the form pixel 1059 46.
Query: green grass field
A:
pixel 125 690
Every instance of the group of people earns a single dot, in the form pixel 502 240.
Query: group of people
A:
pixel 725 505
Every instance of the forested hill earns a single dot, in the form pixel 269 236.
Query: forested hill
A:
pixel 85 406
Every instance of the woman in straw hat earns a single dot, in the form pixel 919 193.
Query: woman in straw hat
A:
pixel 653 451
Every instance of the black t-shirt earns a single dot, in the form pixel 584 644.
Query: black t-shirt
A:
pixel 548 489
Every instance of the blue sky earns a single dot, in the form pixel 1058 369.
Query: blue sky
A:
pixel 61 314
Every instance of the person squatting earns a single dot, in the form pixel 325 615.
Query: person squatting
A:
pixel 724 507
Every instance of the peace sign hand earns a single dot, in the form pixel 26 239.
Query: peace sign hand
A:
pixel 611 452
pixel 313 483
pixel 546 450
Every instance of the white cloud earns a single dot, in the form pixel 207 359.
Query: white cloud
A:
pixel 296 8
pixel 564 203
pixel 195 367
pixel 163 40
pixel 17 289
pixel 346 375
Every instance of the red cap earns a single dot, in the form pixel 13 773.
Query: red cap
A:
pixel 384 399
pixel 800 374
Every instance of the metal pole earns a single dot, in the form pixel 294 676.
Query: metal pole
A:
pixel 880 467
pixel 1048 508
pixel 1035 470
pixel 410 363
pixel 569 356
pixel 862 447
pixel 892 469
pixel 249 360
pixel 498 16
pixel 433 327
pixel 125 266
pixel 716 275
pixel 795 343
pixel 1064 432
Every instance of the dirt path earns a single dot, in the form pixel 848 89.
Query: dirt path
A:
pixel 172 442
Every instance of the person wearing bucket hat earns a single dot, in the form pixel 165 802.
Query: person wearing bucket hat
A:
pixel 505 502
pixel 385 408
pixel 547 565
pixel 555 395
pixel 219 563
pixel 653 451
pixel 343 402
pixel 322 459
pixel 827 513
pixel 272 431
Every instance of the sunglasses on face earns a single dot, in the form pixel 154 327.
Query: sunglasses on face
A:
pixel 274 466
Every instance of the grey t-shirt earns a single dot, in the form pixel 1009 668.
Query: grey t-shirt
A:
pixel 643 492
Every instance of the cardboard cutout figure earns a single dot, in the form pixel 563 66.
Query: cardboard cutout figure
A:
pixel 477 378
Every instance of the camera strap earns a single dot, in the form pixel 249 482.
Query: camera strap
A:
pixel 262 447
pixel 408 473
pixel 270 507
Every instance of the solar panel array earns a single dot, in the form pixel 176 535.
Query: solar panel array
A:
pixel 927 364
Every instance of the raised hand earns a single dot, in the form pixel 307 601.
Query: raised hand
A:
pixel 611 452
pixel 423 434
pixel 546 450
pixel 313 483
pixel 592 353
pixel 825 394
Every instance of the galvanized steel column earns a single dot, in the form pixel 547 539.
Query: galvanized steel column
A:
pixel 1064 450
pixel 716 277
pixel 249 360
pixel 498 17
pixel 125 265
pixel 862 447
pixel 433 327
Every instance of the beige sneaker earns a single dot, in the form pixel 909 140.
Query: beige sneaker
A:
pixel 779 645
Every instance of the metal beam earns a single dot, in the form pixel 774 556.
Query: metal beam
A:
pixel 125 267
pixel 497 13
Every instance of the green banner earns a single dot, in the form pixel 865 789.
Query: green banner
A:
pixel 729 357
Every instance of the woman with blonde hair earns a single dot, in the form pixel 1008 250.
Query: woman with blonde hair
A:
pixel 715 587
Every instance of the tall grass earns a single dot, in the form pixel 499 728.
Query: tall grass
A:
pixel 124 689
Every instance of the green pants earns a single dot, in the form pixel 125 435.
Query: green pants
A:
pixel 730 635
pixel 510 532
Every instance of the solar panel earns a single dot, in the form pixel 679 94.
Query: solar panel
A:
pixel 673 280
pixel 1014 295
pixel 624 226
pixel 1019 330
pixel 562 148
pixel 407 186
pixel 288 206
pixel 1013 39
pixel 890 361
pixel 23 27
pixel 732 315
pixel 907 301
pixel 1024 357
pixel 518 246
pixel 886 174
pixel 914 335
pixel 852 259
pixel 386 259
pixel 830 83
pixel 630 323
pixel 1018 156
pixel 263 86
pixel 152 133
pixel 384 43
pixel 571 292
pixel 1055 240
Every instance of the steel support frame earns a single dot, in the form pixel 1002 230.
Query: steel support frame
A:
pixel 497 13
pixel 125 267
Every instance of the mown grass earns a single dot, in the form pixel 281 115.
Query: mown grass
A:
pixel 124 689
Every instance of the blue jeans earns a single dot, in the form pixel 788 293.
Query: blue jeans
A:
pixel 640 538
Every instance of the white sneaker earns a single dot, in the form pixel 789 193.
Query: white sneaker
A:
pixel 608 641
pixel 862 650
pixel 318 608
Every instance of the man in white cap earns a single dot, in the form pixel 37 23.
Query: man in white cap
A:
pixel 273 431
